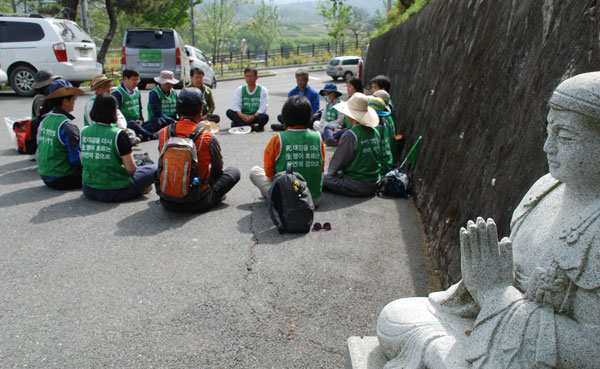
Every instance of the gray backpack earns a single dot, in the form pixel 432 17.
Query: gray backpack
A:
pixel 290 198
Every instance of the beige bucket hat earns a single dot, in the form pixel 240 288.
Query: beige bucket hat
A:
pixel 358 108
pixel 98 80
pixel 210 126
pixel 166 76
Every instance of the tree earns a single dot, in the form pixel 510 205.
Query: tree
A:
pixel 169 14
pixel 337 14
pixel 101 58
pixel 265 25
pixel 357 24
pixel 219 23
pixel 69 8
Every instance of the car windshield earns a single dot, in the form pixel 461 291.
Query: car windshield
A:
pixel 150 40
pixel 70 31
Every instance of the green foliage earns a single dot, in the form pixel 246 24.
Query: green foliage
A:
pixel 169 14
pixel 219 23
pixel 400 14
pixel 265 25
pixel 337 15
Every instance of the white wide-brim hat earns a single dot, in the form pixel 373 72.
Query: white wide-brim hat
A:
pixel 166 76
pixel 210 126
pixel 357 107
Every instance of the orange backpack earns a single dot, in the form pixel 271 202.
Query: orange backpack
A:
pixel 176 178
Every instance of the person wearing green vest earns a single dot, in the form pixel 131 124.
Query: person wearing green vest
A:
pixel 109 170
pixel 102 84
pixel 297 145
pixel 250 103
pixel 356 164
pixel 387 133
pixel 58 139
pixel 130 103
pixel 208 107
pixel 162 101
pixel 332 126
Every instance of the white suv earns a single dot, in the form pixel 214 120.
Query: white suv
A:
pixel 343 66
pixel 29 44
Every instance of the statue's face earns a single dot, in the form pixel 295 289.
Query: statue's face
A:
pixel 572 148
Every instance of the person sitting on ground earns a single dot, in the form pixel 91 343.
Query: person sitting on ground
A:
pixel 217 181
pixel 332 125
pixel 353 84
pixel 387 133
pixel 109 170
pixel 298 145
pixel 382 82
pixel 355 166
pixel 130 103
pixel 41 82
pixel 58 139
pixel 398 142
pixel 102 84
pixel 302 89
pixel 208 107
pixel 250 103
pixel 162 101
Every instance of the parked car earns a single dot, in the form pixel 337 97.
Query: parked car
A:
pixel 198 60
pixel 150 50
pixel 343 66
pixel 3 78
pixel 29 44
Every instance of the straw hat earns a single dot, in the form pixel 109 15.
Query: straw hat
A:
pixel 43 78
pixel 166 76
pixel 61 87
pixel 98 80
pixel 210 126
pixel 358 109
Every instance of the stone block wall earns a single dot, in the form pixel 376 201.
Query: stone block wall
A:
pixel 473 77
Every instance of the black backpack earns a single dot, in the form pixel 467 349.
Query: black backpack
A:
pixel 395 183
pixel 290 198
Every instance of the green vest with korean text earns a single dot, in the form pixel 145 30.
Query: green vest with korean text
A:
pixel 384 129
pixel 250 103
pixel 302 148
pixel 366 163
pixel 53 157
pixel 130 106
pixel 331 114
pixel 168 104
pixel 103 168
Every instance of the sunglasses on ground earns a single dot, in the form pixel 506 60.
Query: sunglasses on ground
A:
pixel 317 226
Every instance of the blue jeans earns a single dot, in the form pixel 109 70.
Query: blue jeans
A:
pixel 156 124
pixel 140 181
pixel 328 132
pixel 139 130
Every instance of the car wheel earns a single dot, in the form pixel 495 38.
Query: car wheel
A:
pixel 21 80
pixel 214 84
pixel 76 84
pixel 347 75
pixel 335 78
pixel 141 86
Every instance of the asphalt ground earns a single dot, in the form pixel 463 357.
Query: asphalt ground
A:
pixel 85 284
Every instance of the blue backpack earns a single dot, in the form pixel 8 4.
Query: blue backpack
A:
pixel 395 183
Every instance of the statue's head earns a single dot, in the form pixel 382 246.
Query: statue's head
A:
pixel 573 143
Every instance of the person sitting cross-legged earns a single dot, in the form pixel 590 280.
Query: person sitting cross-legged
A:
pixel 130 103
pixel 162 101
pixel 356 164
pixel 297 145
pixel 332 124
pixel 250 103
pixel 215 181
pixel 109 170
pixel 58 159
pixel 208 108
pixel 302 89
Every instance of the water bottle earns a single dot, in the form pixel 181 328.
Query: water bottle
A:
pixel 195 182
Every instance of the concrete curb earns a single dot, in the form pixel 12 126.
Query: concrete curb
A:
pixel 277 67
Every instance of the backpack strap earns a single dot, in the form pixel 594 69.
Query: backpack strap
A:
pixel 171 130
pixel 274 218
pixel 194 135
pixel 288 168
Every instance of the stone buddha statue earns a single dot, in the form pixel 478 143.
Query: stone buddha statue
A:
pixel 531 300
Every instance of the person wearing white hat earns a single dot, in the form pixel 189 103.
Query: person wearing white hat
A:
pixel 355 166
pixel 59 164
pixel 162 101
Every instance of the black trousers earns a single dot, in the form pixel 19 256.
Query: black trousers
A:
pixel 66 183
pixel 213 195
pixel 236 121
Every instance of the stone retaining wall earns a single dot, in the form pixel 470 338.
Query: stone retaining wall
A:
pixel 473 77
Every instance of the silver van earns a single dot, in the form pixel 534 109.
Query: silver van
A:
pixel 150 50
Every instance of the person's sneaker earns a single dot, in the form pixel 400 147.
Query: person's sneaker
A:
pixel 156 135
pixel 134 140
pixel 330 142
pixel 147 190
pixel 278 127
pixel 257 127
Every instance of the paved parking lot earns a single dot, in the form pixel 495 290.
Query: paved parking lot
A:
pixel 86 284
